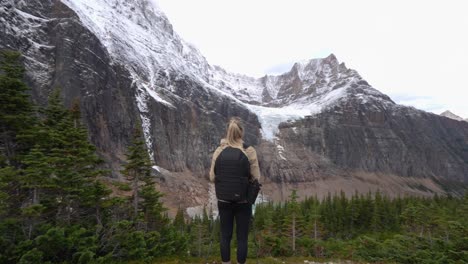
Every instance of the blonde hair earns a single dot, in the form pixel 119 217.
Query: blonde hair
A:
pixel 235 131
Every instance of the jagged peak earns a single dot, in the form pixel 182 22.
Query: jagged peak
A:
pixel 451 115
pixel 330 59
pixel 316 65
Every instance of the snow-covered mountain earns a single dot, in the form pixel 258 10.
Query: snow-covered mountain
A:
pixel 139 36
pixel 453 116
pixel 318 127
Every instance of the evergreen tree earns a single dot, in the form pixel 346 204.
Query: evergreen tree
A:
pixel 314 226
pixel 179 220
pixel 7 178
pixel 412 215
pixel 138 167
pixel 17 128
pixel 377 215
pixel 293 224
pixel 152 207
pixel 264 228
pixel 62 167
pixel 74 159
pixel 353 214
pixel 99 201
pixel 145 197
pixel 17 117
pixel 327 215
pixel 199 233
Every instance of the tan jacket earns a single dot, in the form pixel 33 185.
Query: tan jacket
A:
pixel 249 152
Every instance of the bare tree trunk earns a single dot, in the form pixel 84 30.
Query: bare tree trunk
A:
pixel 35 196
pixel 8 149
pixel 430 236
pixel 35 200
pixel 199 239
pixel 315 229
pixel 98 216
pixel 135 196
pixel 30 228
pixel 294 233
pixel 68 209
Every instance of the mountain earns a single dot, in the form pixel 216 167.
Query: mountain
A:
pixel 319 127
pixel 452 116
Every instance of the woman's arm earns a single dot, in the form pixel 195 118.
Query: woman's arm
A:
pixel 254 167
pixel 213 161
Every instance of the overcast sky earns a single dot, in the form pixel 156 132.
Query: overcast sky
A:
pixel 414 51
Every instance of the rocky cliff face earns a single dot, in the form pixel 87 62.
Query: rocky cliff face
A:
pixel 319 127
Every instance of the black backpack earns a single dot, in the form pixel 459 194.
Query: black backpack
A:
pixel 232 170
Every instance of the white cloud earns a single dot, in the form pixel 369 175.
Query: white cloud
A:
pixel 417 48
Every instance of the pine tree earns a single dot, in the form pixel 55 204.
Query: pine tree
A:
pixel 37 174
pixel 99 200
pixel 179 221
pixel 138 167
pixel 17 127
pixel 7 176
pixel 152 207
pixel 62 167
pixel 264 228
pixel 293 222
pixel 353 213
pixel 77 164
pixel 35 180
pixel 327 216
pixel 376 224
pixel 314 227
pixel 17 117
pixel 199 234
pixel 145 197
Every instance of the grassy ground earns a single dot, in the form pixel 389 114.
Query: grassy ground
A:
pixel 270 260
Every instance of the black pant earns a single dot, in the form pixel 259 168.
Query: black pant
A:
pixel 227 213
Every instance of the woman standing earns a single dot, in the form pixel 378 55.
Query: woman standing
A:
pixel 233 165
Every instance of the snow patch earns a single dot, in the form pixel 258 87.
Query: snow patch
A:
pixel 280 151
pixel 156 96
pixel 270 117
pixel 211 206
pixel 29 16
